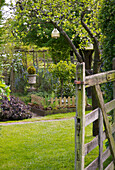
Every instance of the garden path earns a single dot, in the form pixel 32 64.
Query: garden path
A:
pixel 18 123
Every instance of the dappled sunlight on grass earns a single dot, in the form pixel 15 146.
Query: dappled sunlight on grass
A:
pixel 41 145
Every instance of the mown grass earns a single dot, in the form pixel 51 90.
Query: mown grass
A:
pixel 41 146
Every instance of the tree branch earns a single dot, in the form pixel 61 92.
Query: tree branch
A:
pixel 68 40
pixel 97 60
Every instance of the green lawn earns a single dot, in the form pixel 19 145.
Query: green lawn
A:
pixel 41 146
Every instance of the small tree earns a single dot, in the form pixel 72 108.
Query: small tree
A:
pixel 4 90
pixel 64 71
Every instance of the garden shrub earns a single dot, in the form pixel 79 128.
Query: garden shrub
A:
pixel 31 70
pixel 68 90
pixel 14 109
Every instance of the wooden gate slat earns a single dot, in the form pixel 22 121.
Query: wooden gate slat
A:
pixel 93 144
pixel 91 117
pixel 106 121
pixel 110 106
pixel 99 78
pixel 110 166
pixel 94 164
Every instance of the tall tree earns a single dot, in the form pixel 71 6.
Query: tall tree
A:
pixel 79 17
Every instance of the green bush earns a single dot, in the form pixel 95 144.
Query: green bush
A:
pixel 31 70
pixel 68 90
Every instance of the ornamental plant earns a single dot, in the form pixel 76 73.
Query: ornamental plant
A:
pixel 31 70
pixel 14 109
pixel 63 70
pixel 4 89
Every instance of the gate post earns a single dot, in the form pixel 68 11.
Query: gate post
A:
pixel 80 117
pixel 100 139
pixel 114 95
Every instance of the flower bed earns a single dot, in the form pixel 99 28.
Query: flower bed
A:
pixel 40 111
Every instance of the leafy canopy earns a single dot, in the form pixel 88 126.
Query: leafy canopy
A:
pixel 33 18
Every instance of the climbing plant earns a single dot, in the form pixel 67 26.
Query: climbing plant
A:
pixel 107 25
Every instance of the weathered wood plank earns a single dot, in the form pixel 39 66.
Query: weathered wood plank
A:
pixel 94 164
pixel 110 166
pixel 93 144
pixel 106 122
pixel 113 128
pixel 56 101
pixel 60 102
pixel 73 101
pixel 106 154
pixel 80 119
pixel 100 141
pixel 110 106
pixel 91 117
pixel 68 101
pixel 99 78
pixel 64 101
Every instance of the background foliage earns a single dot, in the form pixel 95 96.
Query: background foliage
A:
pixel 107 25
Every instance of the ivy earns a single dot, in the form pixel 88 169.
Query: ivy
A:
pixel 107 24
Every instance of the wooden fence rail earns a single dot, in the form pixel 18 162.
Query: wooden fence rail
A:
pixel 99 78
pixel 59 102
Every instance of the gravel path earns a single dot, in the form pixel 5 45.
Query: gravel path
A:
pixel 19 123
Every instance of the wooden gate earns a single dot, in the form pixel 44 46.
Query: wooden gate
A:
pixel 81 121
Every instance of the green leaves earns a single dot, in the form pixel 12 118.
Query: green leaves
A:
pixel 63 70
pixel 4 89
pixel 65 13
pixel 107 25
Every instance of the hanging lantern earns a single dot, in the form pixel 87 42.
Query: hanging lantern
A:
pixel 55 33
pixel 89 47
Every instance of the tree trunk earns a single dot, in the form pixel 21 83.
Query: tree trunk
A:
pixel 96 65
pixel 72 56
pixel 87 58
pixel 96 68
